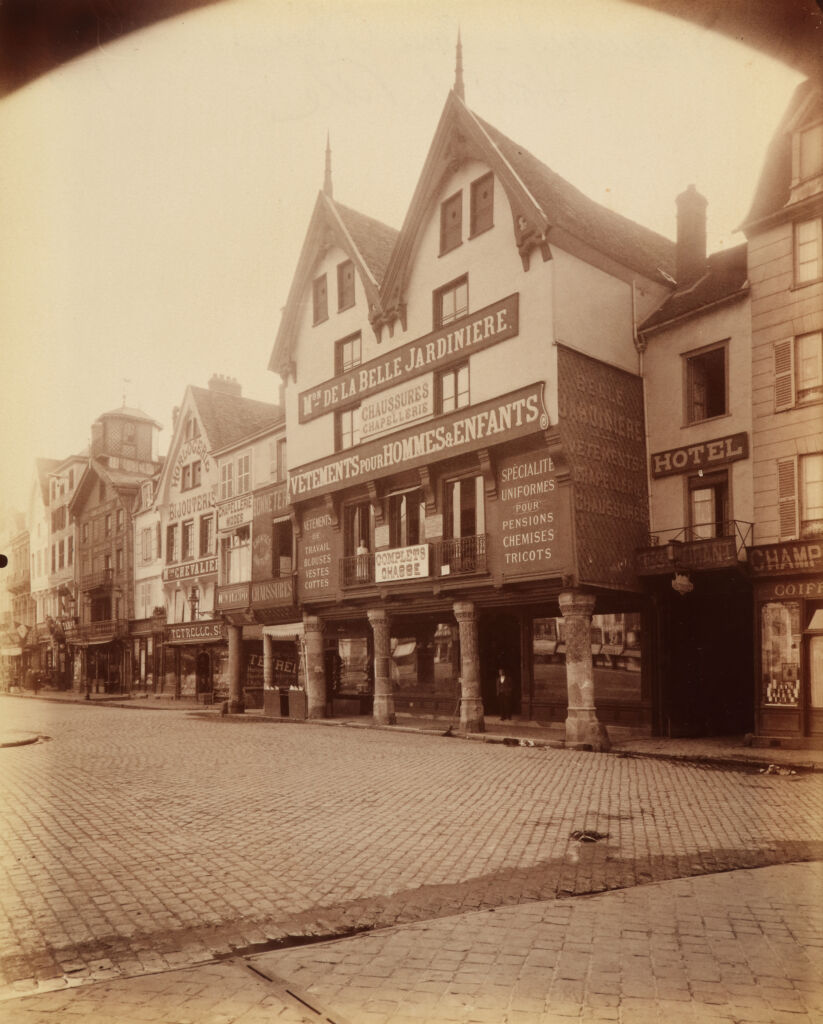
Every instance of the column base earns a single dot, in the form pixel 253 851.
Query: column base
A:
pixel 236 707
pixel 383 712
pixel 471 715
pixel 585 731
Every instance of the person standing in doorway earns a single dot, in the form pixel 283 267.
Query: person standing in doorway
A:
pixel 504 695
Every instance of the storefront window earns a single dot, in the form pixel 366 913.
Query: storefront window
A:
pixel 425 662
pixel 780 652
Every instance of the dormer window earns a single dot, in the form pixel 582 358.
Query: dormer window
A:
pixel 482 204
pixel 320 300
pixel 451 223
pixel 810 152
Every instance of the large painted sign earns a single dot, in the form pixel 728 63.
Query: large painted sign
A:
pixel 507 418
pixel 796 557
pixel 267 504
pixel 442 347
pixel 234 513
pixel 196 632
pixel 188 451
pixel 535 521
pixel 411 563
pixel 315 574
pixel 719 452
pixel 714 553
pixel 192 503
pixel 188 570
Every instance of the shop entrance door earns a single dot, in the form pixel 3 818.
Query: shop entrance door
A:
pixel 499 643
pixel 814 645
pixel 202 672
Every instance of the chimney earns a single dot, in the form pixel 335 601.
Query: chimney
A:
pixel 225 385
pixel 691 236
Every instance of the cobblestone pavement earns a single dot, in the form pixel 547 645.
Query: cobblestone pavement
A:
pixel 742 946
pixel 139 842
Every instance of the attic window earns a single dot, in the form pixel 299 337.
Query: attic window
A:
pixel 451 223
pixel 482 204
pixel 345 285
pixel 348 353
pixel 810 152
pixel 320 299
pixel 451 302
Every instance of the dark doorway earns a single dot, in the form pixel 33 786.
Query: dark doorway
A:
pixel 499 647
pixel 202 672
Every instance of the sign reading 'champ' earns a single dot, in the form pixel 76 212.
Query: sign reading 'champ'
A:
pixel 446 345
pixel 507 418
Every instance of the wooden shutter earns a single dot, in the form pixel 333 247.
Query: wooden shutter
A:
pixel 158 540
pixel 784 374
pixel 787 498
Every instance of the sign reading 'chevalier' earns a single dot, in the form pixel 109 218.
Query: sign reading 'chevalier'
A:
pixel 447 345
pixel 507 418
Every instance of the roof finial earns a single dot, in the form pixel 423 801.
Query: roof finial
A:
pixel 459 88
pixel 327 185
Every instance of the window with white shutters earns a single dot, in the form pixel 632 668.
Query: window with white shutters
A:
pixel 783 374
pixel 787 498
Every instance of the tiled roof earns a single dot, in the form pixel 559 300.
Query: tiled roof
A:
pixel 568 208
pixel 726 275
pixel 774 184
pixel 229 418
pixel 374 240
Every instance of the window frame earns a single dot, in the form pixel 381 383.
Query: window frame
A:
pixel 478 210
pixel 320 299
pixel 454 372
pixel 353 514
pixel 453 203
pixel 354 432
pixel 206 538
pixel 786 369
pixel 345 295
pixel 690 361
pixel 171 544
pixel 341 364
pixel 400 532
pixel 448 506
pixel 718 482
pixel 187 546
pixel 279 527
pixel 438 294
pixel 804 133
pixel 810 527
pixel 801 281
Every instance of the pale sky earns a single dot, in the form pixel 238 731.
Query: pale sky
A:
pixel 154 194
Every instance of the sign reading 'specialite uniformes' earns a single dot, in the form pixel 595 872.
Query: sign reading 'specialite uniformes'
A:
pixel 535 527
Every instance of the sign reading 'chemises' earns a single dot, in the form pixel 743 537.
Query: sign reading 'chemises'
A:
pixel 535 524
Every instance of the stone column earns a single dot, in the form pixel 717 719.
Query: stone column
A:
pixel 315 669
pixel 471 701
pixel 583 728
pixel 268 662
pixel 236 705
pixel 383 713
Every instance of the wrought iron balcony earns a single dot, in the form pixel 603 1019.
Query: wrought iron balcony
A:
pixel 459 556
pixel 705 546
pixel 101 580
pixel 19 580
pixel 357 570
pixel 104 627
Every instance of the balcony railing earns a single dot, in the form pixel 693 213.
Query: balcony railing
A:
pixel 97 580
pixel 18 580
pixel 459 556
pixel 104 627
pixel 740 530
pixel 357 570
pixel 707 546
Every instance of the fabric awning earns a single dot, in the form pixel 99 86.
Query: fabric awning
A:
pixel 11 652
pixel 284 631
pixel 405 649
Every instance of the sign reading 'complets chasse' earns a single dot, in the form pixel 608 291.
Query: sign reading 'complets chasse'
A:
pixel 446 345
pixel 507 418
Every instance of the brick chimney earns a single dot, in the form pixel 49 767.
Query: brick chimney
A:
pixel 691 236
pixel 225 385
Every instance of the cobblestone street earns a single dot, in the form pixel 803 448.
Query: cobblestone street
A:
pixel 136 841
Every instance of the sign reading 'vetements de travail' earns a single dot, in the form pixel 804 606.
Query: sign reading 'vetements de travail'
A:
pixel 514 415
pixel 446 345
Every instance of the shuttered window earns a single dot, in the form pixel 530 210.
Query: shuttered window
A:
pixel 787 498
pixel 808 251
pixel 783 374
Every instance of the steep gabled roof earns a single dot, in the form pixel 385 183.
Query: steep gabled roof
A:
pixel 125 482
pixel 540 201
pixel 774 185
pixel 367 243
pixel 229 418
pixel 726 278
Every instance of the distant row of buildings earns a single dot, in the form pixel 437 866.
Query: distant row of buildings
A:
pixel 524 433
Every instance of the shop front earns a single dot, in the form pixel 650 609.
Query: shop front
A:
pixel 788 609
pixel 195 661
pixel 146 659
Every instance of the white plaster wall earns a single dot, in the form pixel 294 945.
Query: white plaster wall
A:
pixel 664 381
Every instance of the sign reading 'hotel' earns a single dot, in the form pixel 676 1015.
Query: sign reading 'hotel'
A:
pixel 507 418
pixel 487 327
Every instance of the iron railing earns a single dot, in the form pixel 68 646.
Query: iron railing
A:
pixel 459 556
pixel 737 528
pixel 357 570
pixel 97 580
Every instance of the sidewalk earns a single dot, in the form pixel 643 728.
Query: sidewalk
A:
pixel 728 750
pixel 742 946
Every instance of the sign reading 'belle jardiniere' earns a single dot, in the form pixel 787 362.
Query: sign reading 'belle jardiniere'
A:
pixel 447 345
pixel 507 418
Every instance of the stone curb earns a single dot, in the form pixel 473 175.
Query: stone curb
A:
pixel 728 761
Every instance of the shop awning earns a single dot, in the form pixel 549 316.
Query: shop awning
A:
pixel 405 649
pixel 11 652
pixel 284 631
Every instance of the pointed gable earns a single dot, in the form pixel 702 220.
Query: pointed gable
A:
pixel 367 242
pixel 540 202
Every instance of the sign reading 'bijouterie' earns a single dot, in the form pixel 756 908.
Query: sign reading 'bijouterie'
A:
pixel 446 345
pixel 507 418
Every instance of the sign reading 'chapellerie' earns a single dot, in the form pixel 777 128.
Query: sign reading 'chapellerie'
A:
pixel 446 345
pixel 507 418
